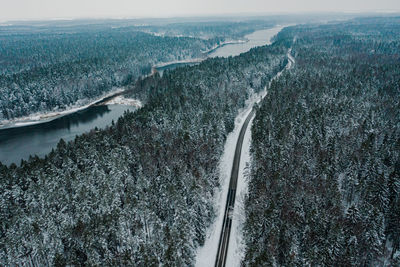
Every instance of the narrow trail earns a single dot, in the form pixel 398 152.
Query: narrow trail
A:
pixel 223 244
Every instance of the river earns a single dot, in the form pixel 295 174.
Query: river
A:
pixel 257 38
pixel 39 139
pixel 20 142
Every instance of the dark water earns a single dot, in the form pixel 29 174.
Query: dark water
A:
pixel 174 66
pixel 18 143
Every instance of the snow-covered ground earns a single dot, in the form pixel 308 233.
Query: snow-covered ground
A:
pixel 120 100
pixel 206 255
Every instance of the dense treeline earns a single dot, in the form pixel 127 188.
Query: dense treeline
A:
pixel 324 188
pixel 140 192
pixel 211 29
pixel 49 71
pixel 52 66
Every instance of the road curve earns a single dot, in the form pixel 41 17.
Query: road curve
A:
pixel 223 244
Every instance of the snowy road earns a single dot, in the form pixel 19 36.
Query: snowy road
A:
pixel 237 169
pixel 222 252
pixel 206 254
pixel 230 203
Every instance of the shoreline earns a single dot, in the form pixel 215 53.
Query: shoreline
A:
pixel 199 59
pixel 207 52
pixel 39 118
pixel 185 61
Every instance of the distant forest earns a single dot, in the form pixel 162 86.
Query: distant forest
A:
pixel 52 71
pixel 46 68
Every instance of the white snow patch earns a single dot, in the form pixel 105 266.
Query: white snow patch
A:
pixel 20 124
pixel 120 100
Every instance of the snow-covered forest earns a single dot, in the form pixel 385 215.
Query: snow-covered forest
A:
pixel 324 188
pixel 225 30
pixel 45 68
pixel 140 192
pixel 51 71
pixel 324 176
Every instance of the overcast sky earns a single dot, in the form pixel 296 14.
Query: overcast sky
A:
pixel 37 9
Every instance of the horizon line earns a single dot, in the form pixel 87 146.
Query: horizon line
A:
pixel 216 15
